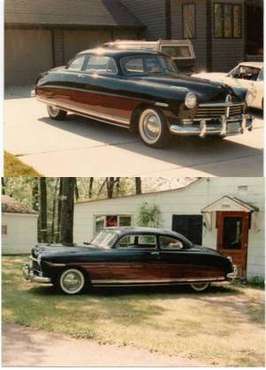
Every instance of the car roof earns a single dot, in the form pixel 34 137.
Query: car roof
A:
pixel 148 230
pixel 119 52
pixel 252 64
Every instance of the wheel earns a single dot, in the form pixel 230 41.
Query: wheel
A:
pixel 71 281
pixel 153 129
pixel 56 113
pixel 200 287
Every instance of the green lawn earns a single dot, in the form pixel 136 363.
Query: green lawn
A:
pixel 224 326
pixel 14 167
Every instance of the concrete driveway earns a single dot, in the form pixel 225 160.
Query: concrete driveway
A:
pixel 81 147
pixel 27 347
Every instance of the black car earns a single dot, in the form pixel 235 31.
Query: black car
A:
pixel 143 91
pixel 129 257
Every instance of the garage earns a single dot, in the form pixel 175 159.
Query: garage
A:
pixel 40 34
pixel 24 58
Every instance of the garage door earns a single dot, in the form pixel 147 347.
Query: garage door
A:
pixel 27 53
pixel 188 225
pixel 75 41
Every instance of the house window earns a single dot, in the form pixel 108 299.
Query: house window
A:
pixel 189 21
pixel 4 229
pixel 227 20
pixel 102 222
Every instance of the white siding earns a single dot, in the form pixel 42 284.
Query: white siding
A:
pixel 21 233
pixel 190 200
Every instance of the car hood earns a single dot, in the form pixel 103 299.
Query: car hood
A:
pixel 205 90
pixel 53 250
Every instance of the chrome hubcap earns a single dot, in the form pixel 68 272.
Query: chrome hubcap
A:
pixel 72 281
pixel 200 286
pixel 150 126
pixel 53 110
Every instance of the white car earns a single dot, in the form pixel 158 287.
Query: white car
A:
pixel 247 75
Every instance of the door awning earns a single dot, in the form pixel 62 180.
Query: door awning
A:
pixel 228 203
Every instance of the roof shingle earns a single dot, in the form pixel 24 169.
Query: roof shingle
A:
pixel 69 12
pixel 10 205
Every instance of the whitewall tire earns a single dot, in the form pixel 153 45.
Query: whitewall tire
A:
pixel 56 113
pixel 200 287
pixel 153 129
pixel 72 281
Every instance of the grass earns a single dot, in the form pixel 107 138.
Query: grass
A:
pixel 222 327
pixel 14 167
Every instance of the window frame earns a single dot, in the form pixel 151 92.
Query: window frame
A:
pixel 83 70
pixel 171 249
pixel 194 36
pixel 73 59
pixel 223 5
pixel 138 234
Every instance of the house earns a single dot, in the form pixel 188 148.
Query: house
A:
pixel 19 227
pixel 226 214
pixel 222 31
pixel 40 34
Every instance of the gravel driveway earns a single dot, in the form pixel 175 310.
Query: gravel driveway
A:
pixel 27 347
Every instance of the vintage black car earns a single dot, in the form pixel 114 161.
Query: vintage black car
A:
pixel 129 257
pixel 143 91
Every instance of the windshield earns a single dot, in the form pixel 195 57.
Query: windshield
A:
pixel 105 239
pixel 148 65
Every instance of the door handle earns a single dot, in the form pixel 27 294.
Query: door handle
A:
pixel 155 253
pixel 82 75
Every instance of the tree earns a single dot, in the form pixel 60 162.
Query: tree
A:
pixel 138 185
pixel 43 209
pixel 3 185
pixel 67 210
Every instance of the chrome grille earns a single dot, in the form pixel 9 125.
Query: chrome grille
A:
pixel 216 111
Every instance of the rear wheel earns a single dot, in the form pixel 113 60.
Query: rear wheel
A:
pixel 200 287
pixel 71 281
pixel 56 113
pixel 153 128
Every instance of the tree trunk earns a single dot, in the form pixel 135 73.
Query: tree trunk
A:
pixel 110 187
pixel 138 185
pixel 91 186
pixel 35 194
pixel 67 210
pixel 43 210
pixel 54 210
pixel 59 207
pixel 3 186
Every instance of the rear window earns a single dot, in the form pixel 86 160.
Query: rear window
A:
pixel 177 51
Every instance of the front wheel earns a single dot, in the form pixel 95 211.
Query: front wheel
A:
pixel 200 287
pixel 56 113
pixel 153 128
pixel 71 281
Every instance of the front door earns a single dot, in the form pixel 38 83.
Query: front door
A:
pixel 232 237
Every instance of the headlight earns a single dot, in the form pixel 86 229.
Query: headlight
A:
pixel 249 97
pixel 190 101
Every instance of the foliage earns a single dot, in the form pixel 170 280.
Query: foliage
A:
pixel 14 167
pixel 149 215
pixel 256 281
pixel 222 327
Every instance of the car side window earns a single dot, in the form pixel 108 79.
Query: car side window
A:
pixel 167 242
pixel 137 241
pixel 101 64
pixel 260 76
pixel 134 65
pixel 77 63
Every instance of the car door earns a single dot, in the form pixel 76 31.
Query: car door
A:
pixel 64 82
pixel 135 260
pixel 259 91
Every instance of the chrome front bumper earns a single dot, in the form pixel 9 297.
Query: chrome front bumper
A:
pixel 219 126
pixel 232 275
pixel 29 275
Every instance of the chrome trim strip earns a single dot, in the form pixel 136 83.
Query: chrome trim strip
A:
pixel 102 117
pixel 226 105
pixel 158 104
pixel 163 281
pixel 55 264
